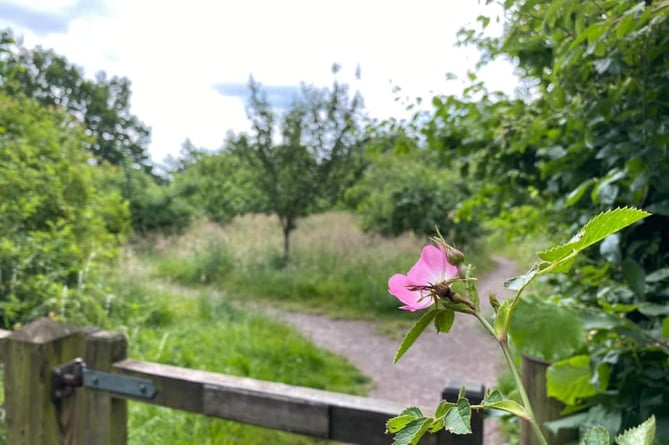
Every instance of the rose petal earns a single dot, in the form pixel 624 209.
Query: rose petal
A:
pixel 432 267
pixel 413 300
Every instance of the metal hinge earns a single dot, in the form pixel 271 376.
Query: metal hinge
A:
pixel 66 377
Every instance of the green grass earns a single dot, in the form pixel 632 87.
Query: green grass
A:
pixel 335 268
pixel 208 332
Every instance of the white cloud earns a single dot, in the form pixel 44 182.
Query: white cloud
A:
pixel 175 52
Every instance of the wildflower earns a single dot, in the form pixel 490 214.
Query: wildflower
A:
pixel 427 280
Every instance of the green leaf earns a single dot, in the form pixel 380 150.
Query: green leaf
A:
pixel 658 275
pixel 517 283
pixel 443 408
pixel 643 434
pixel 575 195
pixel 492 397
pixel 665 328
pixel 534 324
pixel 398 423
pixel 495 400
pixel 444 320
pixel 502 319
pixel 597 435
pixel 570 380
pixel 597 229
pixel 635 276
pixel 414 333
pixel 412 432
pixel 458 419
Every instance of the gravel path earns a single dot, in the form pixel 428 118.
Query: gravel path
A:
pixel 466 355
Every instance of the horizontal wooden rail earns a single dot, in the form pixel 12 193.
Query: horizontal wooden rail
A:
pixel 308 411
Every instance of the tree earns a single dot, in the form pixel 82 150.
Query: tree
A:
pixel 101 105
pixel 317 153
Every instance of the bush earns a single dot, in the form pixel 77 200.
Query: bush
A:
pixel 57 228
pixel 399 194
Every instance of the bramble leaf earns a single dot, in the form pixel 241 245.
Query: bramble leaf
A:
pixel 414 333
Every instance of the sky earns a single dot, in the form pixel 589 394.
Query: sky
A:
pixel 190 61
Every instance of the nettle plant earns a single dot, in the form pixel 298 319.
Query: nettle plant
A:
pixel 442 285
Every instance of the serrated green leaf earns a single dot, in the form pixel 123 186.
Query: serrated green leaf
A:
pixel 533 326
pixel 443 321
pixel 458 418
pixel 443 408
pixel 517 283
pixel 643 434
pixel 569 380
pixel 509 406
pixel 597 435
pixel 398 423
pixel 412 411
pixel 502 319
pixel 597 229
pixel 493 397
pixel 412 432
pixel 414 333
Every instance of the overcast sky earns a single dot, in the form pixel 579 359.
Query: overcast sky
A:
pixel 189 61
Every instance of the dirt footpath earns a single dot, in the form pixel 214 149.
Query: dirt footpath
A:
pixel 466 355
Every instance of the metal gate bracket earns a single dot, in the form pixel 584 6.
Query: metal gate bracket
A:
pixel 74 374
pixel 121 384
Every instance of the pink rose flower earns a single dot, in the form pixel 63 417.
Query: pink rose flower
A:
pixel 419 288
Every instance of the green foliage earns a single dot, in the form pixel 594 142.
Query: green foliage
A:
pixel 182 327
pixel 597 435
pixel 57 228
pixel 318 153
pixel 534 323
pixel 102 105
pixel 413 334
pixel 399 193
pixel 220 185
pixel 640 435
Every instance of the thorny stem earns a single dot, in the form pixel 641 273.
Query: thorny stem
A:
pixel 503 343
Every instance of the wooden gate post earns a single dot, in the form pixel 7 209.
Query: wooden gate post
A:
pixel 29 354
pixel 545 408
pixel 106 417
pixel 85 417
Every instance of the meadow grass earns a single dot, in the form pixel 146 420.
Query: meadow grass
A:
pixel 335 268
pixel 204 330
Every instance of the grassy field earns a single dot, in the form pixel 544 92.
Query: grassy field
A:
pixel 200 329
pixel 335 268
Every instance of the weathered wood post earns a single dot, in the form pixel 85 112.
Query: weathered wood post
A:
pixel 32 415
pixel 545 408
pixel 475 394
pixel 106 417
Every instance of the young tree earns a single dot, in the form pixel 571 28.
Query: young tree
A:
pixel 306 156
